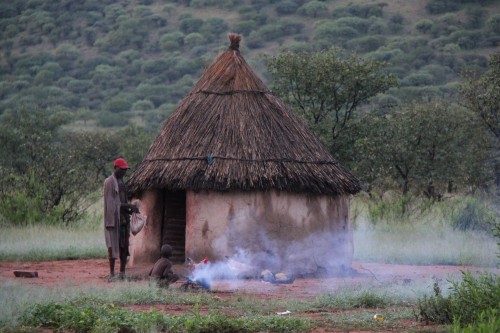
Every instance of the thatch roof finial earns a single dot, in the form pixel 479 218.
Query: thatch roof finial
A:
pixel 235 41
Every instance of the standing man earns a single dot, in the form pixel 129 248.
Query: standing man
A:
pixel 117 212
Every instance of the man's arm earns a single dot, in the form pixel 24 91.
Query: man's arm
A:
pixel 129 208
pixel 167 269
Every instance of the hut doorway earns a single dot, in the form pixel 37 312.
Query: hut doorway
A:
pixel 173 229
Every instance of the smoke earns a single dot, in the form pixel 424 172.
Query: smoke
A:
pixel 251 250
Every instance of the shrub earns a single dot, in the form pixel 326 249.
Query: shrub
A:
pixel 441 6
pixel 476 60
pixel 213 27
pixel 360 10
pixel 44 77
pixel 424 26
pixel 142 105
pixel 172 41
pixel 493 24
pixel 117 105
pixel 286 7
pixel 254 41
pixel 378 27
pixel 489 321
pixel 440 74
pixel 333 34
pixel 451 48
pixel 155 66
pixel 468 299
pixel 108 119
pixel 467 40
pixel 475 17
pixel 245 27
pixel 418 80
pixel 473 216
pixel 360 24
pixel 190 24
pixel 314 9
pixel 193 39
pixel 366 43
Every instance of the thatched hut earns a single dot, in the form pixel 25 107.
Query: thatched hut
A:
pixel 233 170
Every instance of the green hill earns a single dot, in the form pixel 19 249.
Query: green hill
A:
pixel 117 62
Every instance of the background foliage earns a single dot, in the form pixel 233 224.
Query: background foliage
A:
pixel 82 83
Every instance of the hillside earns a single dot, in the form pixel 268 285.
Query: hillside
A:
pixel 112 63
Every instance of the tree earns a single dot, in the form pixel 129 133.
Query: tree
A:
pixel 314 9
pixel 429 148
pixel 482 96
pixel 47 173
pixel 326 87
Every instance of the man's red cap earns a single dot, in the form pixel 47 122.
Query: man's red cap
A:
pixel 121 163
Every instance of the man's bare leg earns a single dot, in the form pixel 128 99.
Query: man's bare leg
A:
pixel 111 263
pixel 123 262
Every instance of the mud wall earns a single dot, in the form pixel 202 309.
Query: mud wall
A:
pixel 145 246
pixel 275 230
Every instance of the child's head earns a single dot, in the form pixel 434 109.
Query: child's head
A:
pixel 166 251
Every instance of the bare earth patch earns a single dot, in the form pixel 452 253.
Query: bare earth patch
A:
pixel 95 272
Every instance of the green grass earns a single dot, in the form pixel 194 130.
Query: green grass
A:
pixel 51 243
pixel 25 307
pixel 402 244
pixel 425 236
pixel 424 245
pixel 106 318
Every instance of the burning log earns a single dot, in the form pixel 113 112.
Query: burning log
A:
pixel 195 280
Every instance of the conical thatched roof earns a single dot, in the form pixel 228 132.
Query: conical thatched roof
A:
pixel 231 133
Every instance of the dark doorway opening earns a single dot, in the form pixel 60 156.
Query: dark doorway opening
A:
pixel 173 231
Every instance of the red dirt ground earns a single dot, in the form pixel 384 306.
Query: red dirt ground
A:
pixel 94 272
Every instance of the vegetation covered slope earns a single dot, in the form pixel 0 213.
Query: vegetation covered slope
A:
pixel 115 62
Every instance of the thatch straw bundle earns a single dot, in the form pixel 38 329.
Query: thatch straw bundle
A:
pixel 231 133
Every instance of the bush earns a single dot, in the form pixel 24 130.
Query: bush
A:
pixel 441 6
pixel 332 34
pixel 467 40
pixel 475 17
pixel 117 105
pixel 493 24
pixel 360 10
pixel 142 105
pixel 245 27
pixel 366 43
pixel 417 80
pixel 474 216
pixel 468 299
pixel 378 27
pixel 190 24
pixel 314 9
pixel 213 27
pixel 360 24
pixel 286 7
pixel 108 119
pixel 424 26
pixel 489 321
pixel 193 39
